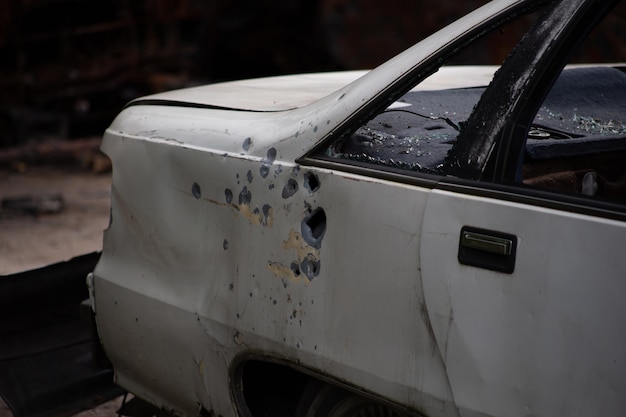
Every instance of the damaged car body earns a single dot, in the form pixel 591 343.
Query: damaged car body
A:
pixel 414 240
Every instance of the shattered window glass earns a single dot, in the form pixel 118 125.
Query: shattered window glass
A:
pixel 414 133
pixel 577 143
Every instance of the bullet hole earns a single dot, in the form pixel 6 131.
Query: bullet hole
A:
pixel 250 295
pixel 246 144
pixel 310 267
pixel 290 188
pixel 225 245
pixel 229 195
pixel 267 211
pixel 195 190
pixel 271 186
pixel 271 155
pixel 295 268
pixel 264 171
pixel 313 227
pixel 238 316
pixel 231 287
pixel 311 182
pixel 245 196
pixel 274 302
pixel 265 167
pixel 249 176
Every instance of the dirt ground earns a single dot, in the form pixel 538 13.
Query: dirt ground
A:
pixel 50 214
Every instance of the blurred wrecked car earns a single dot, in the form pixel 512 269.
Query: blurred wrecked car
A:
pixel 418 239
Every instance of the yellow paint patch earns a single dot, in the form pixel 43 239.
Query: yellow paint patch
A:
pixel 303 251
pixel 295 242
pixel 254 218
pixel 285 272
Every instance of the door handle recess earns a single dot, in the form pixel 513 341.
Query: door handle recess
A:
pixel 487 249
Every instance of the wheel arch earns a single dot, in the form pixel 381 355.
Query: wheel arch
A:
pixel 260 384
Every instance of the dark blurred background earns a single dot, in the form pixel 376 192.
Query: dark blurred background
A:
pixel 68 66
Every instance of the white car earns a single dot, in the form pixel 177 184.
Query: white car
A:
pixel 418 239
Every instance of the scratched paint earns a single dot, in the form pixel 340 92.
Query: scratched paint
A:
pixel 256 217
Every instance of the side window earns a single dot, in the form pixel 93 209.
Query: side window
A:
pixel 413 134
pixel 577 141
pixel 416 132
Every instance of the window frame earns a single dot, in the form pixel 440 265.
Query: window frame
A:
pixel 500 178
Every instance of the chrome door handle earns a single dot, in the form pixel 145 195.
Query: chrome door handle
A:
pixel 487 243
pixel 487 249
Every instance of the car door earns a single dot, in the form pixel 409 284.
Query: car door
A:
pixel 546 338
pixel 524 285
